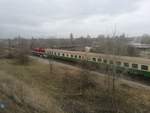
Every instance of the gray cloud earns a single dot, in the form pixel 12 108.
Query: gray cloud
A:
pixel 60 17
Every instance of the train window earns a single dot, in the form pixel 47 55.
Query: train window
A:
pixel 144 67
pixel 99 59
pixel 126 64
pixel 67 55
pixel 63 54
pixel 55 53
pixel 118 63
pixel 105 61
pixel 94 59
pixel 135 66
pixel 79 57
pixel 111 62
pixel 71 56
pixel 75 56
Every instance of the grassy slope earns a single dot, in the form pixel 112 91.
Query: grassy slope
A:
pixel 33 82
pixel 38 80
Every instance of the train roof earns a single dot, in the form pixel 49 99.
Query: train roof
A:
pixel 113 57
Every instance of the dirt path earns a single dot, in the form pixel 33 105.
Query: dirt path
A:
pixel 121 80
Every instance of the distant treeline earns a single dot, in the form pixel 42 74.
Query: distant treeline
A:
pixel 118 45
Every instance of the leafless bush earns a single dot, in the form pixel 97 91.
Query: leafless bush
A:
pixel 22 58
pixel 81 94
pixel 72 106
pixel 74 88
pixel 79 84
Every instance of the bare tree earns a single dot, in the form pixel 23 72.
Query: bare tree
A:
pixel 10 52
pixel 32 43
pixel 51 65
pixel 71 38
pixel 22 51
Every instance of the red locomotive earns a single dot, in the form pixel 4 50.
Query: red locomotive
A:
pixel 38 52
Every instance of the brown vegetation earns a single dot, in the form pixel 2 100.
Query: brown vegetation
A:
pixel 82 94
pixel 72 90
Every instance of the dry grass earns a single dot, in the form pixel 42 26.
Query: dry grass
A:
pixel 36 87
pixel 24 89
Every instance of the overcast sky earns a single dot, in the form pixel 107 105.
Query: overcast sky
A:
pixel 81 17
